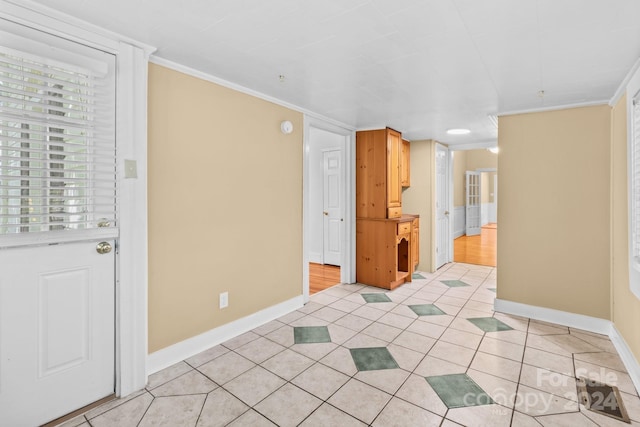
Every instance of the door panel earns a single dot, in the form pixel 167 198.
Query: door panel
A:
pixel 332 207
pixel 473 201
pixel 442 206
pixel 57 312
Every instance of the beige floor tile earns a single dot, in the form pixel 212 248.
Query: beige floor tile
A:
pixel 193 382
pixel 414 341
pixel 387 380
pixel 308 308
pixel 449 300
pixel 283 336
pixel 315 351
pixel 174 411
pixel 427 329
pixel 381 331
pixel 468 313
pixel 309 320
pixel 575 419
pixel 485 415
pixel 369 313
pixel 551 382
pixel 287 364
pixel 345 305
pixel 523 420
pixel 632 405
pixel 323 298
pixel 417 390
pixel 259 350
pixel 339 291
pixel 78 421
pixel 251 418
pixel 514 336
pixel 603 344
pixel 340 359
pixel 127 414
pixel 363 340
pixel 605 375
pixel 241 340
pixel 503 392
pixel 290 317
pixel 502 348
pixel 407 359
pixel 320 380
pixel 268 327
pixel 516 322
pixel 571 343
pixel 452 353
pixel 327 415
pixel 327 313
pixel 451 310
pixel 462 324
pixel 226 367
pixel 441 320
pixel 360 400
pixel 401 413
pixel 167 374
pixel 550 361
pixel 113 404
pixel 353 322
pixel 495 365
pixel 207 355
pixel 431 366
pixel 254 385
pixel 340 334
pixel 220 408
pixel 288 406
pixel 543 343
pixel 536 402
pixel 605 421
pixel 395 320
pixel 449 423
pixel 480 306
pixel 544 328
pixel 608 360
pixel 464 339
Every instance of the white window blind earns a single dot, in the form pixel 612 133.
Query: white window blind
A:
pixel 635 178
pixel 57 144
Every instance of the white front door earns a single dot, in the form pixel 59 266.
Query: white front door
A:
pixel 333 222
pixel 56 330
pixel 58 200
pixel 473 203
pixel 442 206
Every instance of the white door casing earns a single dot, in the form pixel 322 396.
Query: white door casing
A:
pixel 333 216
pixel 473 203
pixel 443 229
pixel 57 312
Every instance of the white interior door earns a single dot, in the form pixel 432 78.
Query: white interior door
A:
pixel 443 238
pixel 56 331
pixel 333 217
pixel 58 200
pixel 473 203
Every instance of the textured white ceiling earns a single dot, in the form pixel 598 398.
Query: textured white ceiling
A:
pixel 419 66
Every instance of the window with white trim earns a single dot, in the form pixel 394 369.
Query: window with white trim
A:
pixel 57 138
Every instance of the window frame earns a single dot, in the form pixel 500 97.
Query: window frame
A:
pixel 633 182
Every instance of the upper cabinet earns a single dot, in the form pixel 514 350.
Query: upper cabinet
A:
pixel 378 180
pixel 405 164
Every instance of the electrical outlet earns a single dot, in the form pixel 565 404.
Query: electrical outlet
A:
pixel 224 299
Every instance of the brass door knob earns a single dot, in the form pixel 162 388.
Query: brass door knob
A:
pixel 103 248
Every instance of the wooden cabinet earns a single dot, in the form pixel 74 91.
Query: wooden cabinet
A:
pixel 415 241
pixel 405 164
pixel 378 187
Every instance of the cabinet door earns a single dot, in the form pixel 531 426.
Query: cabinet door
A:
pixel 394 188
pixel 405 164
pixel 415 241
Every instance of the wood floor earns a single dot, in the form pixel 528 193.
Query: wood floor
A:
pixel 480 249
pixel 322 277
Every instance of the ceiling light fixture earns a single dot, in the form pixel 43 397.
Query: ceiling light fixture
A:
pixel 458 131
pixel 494 150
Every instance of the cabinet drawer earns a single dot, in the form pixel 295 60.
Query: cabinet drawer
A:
pixel 404 228
pixel 394 212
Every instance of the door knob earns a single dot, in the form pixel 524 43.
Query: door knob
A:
pixel 325 213
pixel 446 212
pixel 103 248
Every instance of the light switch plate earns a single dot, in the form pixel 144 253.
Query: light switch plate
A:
pixel 130 168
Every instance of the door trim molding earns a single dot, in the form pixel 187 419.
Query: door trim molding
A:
pixel 131 139
pixel 347 269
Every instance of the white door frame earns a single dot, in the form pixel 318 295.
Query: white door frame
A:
pixel 325 229
pixel 347 268
pixel 131 139
pixel 448 249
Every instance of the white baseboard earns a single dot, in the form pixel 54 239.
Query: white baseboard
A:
pixel 459 221
pixel 183 350
pixel 578 321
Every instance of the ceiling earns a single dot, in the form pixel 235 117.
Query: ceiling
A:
pixel 418 66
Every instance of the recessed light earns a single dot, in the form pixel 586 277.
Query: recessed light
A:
pixel 458 131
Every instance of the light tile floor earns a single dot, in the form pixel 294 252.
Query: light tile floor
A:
pixel 430 353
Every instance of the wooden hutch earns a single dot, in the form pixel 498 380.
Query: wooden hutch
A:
pixel 387 242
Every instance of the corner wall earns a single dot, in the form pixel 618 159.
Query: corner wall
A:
pixel 554 213
pixel 225 205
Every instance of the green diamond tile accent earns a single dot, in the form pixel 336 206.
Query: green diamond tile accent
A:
pixel 426 310
pixel 417 276
pixel 377 297
pixel 373 359
pixel 490 324
pixel 491 289
pixel 459 391
pixel 454 283
pixel 310 334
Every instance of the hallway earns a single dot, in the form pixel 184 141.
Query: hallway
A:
pixel 480 249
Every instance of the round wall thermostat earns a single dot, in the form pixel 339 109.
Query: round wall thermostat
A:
pixel 286 126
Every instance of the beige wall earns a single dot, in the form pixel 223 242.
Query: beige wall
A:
pixel 481 159
pixel 418 199
pixel 225 205
pixel 625 306
pixel 553 244
pixel 459 168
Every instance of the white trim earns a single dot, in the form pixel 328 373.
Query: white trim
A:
pixel 348 262
pixel 473 145
pixel 573 320
pixel 190 347
pixel 131 139
pixel 633 88
pixel 555 108
pixel 625 353
pixel 226 83
pixel 578 321
pixel 459 221
pixel 622 89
